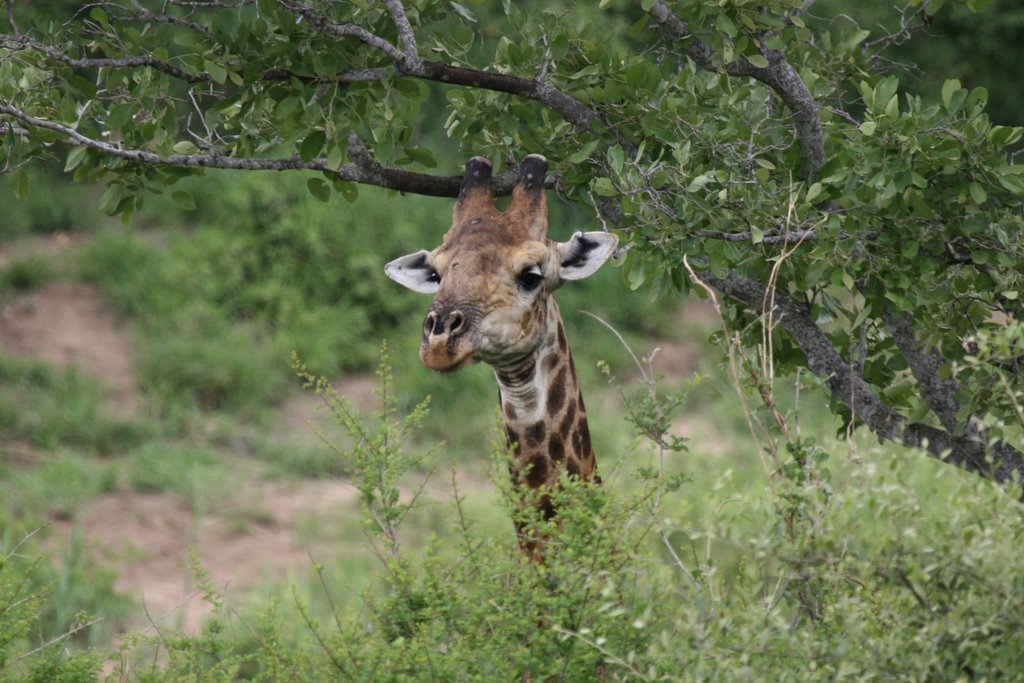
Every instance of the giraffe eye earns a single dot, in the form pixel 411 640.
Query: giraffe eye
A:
pixel 530 278
pixel 433 276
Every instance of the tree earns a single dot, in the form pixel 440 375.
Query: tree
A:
pixel 756 148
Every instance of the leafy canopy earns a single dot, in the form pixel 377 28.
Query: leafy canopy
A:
pixel 873 233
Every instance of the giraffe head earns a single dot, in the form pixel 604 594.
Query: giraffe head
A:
pixel 494 272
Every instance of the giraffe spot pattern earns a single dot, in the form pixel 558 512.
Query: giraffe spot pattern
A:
pixel 556 396
pixel 568 419
pixel 556 449
pixel 513 438
pixel 536 471
pixel 535 433
pixel 573 467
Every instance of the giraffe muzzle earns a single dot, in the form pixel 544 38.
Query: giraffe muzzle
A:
pixel 446 344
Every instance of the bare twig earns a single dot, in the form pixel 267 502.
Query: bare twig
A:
pixel 22 42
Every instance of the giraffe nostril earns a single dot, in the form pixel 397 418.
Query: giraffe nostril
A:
pixel 455 321
pixel 429 324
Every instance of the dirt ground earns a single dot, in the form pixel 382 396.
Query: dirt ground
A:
pixel 147 537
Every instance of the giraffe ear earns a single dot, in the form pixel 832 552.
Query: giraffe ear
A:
pixel 414 271
pixel 585 253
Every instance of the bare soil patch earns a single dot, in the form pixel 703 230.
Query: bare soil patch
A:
pixel 148 539
pixel 69 323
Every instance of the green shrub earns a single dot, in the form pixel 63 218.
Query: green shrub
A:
pixel 47 611
pixel 61 408
pixel 57 486
pixel 189 471
pixel 850 565
pixel 38 212
pixel 25 274
pixel 219 367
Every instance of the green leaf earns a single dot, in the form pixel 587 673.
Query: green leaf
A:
pixel 111 198
pixel 758 61
pixel 19 183
pixel 892 108
pixel 99 16
pixel 813 191
pixel 725 24
pixel 948 88
pixel 868 128
pixel 184 200
pixel 910 249
pixel 636 276
pixel 412 89
pixel 185 147
pixel 698 182
pixel 981 256
pixel 584 152
pixel 1012 183
pixel 75 157
pixel 884 91
pixel 616 157
pixel 464 12
pixel 756 234
pixel 861 317
pixel 603 188
pixel 978 193
pixel 217 72
pixel 287 107
pixel 855 39
pixel 348 191
pixel 319 189
pixel 422 155
pixel 312 145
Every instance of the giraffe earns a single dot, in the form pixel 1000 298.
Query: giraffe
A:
pixel 492 279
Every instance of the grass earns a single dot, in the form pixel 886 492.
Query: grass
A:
pixel 26 273
pixel 52 408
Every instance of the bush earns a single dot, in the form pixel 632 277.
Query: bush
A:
pixel 214 367
pixel 845 566
pixel 26 274
pixel 45 610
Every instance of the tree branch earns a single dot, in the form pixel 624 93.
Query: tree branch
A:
pixel 319 22
pixel 940 394
pixel 770 236
pixel 779 75
pixel 22 41
pixel 365 170
pixel 925 366
pixel 998 462
pixel 571 109
pixel 405 32
pixel 407 63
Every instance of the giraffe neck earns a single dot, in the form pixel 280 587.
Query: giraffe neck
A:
pixel 542 406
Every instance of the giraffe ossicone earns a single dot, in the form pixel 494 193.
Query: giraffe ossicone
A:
pixel 492 278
